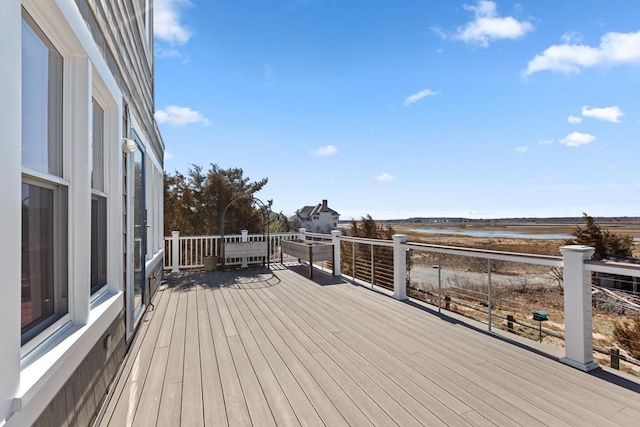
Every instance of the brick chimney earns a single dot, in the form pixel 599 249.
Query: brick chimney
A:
pixel 324 204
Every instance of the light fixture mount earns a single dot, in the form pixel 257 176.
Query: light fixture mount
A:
pixel 128 145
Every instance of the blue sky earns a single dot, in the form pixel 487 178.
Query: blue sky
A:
pixel 408 108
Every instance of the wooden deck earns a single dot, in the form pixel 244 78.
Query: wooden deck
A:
pixel 271 347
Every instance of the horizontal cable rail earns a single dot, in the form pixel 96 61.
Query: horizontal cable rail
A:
pixel 623 269
pixel 549 260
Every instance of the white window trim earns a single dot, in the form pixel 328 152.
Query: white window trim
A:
pixel 55 183
pixel 41 373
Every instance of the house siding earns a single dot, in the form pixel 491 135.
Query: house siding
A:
pixel 77 403
pixel 61 376
pixel 115 26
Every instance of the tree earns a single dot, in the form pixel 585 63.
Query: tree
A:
pixel 605 242
pixel 382 271
pixel 368 228
pixel 193 203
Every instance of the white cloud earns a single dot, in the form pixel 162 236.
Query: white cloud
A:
pixel 167 25
pixel 608 114
pixel 167 156
pixel 572 37
pixel 546 141
pixel 167 53
pixel 574 120
pixel 614 49
pixel 487 26
pixel 522 150
pixel 385 177
pixel 327 150
pixel 180 116
pixel 576 139
pixel 418 96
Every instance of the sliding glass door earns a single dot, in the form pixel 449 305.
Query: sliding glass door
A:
pixel 139 233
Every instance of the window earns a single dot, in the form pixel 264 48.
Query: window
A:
pixel 41 102
pixel 98 202
pixel 44 297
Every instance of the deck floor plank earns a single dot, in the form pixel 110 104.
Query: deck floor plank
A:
pixel 546 374
pixel 212 395
pixel 301 405
pixel 271 347
pixel 395 388
pixel 171 399
pixel 192 411
pixel 387 339
pixel 255 398
pixel 281 409
pixel 237 413
pixel 122 409
pixel 321 402
pixel 560 373
pixel 579 413
pixel 443 383
pixel 303 347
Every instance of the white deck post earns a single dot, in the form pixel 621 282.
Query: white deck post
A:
pixel 302 232
pixel 399 267
pixel 244 239
pixel 175 251
pixel 577 308
pixel 335 239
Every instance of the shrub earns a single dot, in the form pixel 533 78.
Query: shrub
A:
pixel 628 336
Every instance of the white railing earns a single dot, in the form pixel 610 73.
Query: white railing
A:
pixel 575 265
pixel 185 252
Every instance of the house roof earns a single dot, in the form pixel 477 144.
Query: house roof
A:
pixel 319 208
pixel 307 211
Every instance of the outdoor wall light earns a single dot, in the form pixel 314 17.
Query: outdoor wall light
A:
pixel 128 145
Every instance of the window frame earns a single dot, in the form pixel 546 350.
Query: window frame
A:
pixel 36 335
pixel 60 186
pixel 98 194
pixel 60 151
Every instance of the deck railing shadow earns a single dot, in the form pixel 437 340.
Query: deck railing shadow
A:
pixel 613 378
pixel 247 278
pixel 320 277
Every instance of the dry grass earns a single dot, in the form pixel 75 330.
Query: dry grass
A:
pixel 533 246
pixel 627 334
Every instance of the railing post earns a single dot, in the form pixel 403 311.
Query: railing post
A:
pixel 399 267
pixel 302 232
pixel 175 251
pixel 577 308
pixel 335 239
pixel 244 239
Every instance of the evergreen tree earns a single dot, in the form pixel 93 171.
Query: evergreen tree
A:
pixel 194 203
pixel 605 242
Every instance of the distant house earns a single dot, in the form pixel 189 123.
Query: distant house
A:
pixel 318 219
pixel 81 184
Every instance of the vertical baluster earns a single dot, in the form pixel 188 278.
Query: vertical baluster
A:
pixel 372 273
pixel 353 260
pixel 439 284
pixel 489 298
